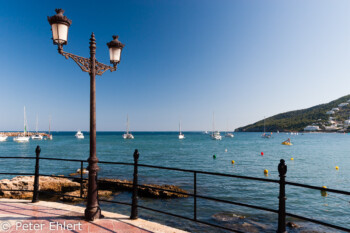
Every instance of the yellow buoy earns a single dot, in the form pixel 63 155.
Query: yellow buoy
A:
pixel 336 167
pixel 266 171
pixel 323 192
pixel 233 162
pixel 291 158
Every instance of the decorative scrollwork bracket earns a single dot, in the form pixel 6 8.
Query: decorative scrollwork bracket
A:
pixel 101 68
pixel 85 63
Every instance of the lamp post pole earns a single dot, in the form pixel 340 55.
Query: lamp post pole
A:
pixel 92 210
pixel 59 26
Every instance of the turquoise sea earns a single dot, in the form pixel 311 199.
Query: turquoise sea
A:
pixel 315 157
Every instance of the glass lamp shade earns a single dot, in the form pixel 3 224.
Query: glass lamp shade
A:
pixel 115 50
pixel 114 54
pixel 59 27
pixel 59 33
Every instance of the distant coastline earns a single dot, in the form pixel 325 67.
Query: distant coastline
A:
pixel 330 117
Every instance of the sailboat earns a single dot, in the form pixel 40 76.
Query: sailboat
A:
pixel 37 136
pixel 3 137
pixel 215 135
pixel 181 135
pixel 265 135
pixel 79 135
pixel 23 138
pixel 127 135
pixel 49 136
pixel 228 134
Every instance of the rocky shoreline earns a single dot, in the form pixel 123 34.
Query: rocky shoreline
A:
pixel 69 188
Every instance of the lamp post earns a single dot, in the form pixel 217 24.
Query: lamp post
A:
pixel 59 26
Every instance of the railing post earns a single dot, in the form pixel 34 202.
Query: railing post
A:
pixel 36 177
pixel 282 170
pixel 195 195
pixel 134 188
pixel 81 178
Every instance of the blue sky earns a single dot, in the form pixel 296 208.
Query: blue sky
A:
pixel 182 59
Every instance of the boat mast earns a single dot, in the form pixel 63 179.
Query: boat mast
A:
pixel 36 128
pixel 180 127
pixel 226 127
pixel 213 125
pixel 127 124
pixel 24 121
pixel 49 125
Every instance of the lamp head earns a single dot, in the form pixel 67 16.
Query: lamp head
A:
pixel 59 27
pixel 115 50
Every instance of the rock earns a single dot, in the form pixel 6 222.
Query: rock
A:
pixel 101 193
pixel 66 186
pixel 240 222
pixel 228 217
pixel 292 225
pixel 47 184
pixel 125 185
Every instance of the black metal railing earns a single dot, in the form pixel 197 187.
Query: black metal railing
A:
pixel 282 169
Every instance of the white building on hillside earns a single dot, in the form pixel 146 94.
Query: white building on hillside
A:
pixel 343 104
pixel 335 109
pixel 312 128
pixel 332 128
pixel 330 112
pixel 347 122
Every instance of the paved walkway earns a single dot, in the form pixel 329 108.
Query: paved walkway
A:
pixel 24 216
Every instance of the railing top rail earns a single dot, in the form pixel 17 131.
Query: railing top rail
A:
pixel 209 173
pixel 193 171
pixel 318 188
pixel 120 163
pixel 15 157
pixel 71 160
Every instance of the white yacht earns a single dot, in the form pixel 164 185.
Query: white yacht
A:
pixel 181 135
pixel 127 135
pixel 37 136
pixel 3 137
pixel 79 135
pixel 215 135
pixel 228 134
pixel 23 138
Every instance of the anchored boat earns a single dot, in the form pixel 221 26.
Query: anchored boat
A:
pixel 23 138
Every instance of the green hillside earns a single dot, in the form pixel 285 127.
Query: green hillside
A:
pixel 299 119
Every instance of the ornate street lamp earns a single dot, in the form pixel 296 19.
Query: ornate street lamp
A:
pixel 59 26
